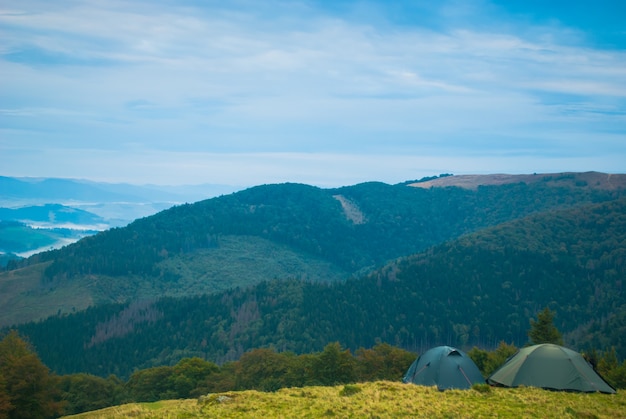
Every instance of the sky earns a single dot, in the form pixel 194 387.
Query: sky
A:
pixel 327 93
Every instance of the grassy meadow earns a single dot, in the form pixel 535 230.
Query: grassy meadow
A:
pixel 382 399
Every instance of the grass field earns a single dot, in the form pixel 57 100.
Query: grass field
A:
pixel 381 399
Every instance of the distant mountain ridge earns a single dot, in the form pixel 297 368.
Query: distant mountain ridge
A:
pixel 57 190
pixel 594 180
pixel 51 214
pixel 28 230
pixel 55 212
pixel 117 203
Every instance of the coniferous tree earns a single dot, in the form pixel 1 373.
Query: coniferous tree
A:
pixel 543 329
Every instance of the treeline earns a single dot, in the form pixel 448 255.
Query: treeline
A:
pixel 259 369
pixel 28 389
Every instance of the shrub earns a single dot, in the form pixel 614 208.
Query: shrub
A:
pixel 349 390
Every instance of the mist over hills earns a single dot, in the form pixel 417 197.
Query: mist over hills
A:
pixel 294 267
pixel 52 215
pixel 55 212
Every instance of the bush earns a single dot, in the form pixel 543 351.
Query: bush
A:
pixel 349 390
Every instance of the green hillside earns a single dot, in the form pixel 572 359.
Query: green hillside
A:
pixel 238 261
pixel 271 231
pixel 477 290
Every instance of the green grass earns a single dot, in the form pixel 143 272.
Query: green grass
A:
pixel 382 399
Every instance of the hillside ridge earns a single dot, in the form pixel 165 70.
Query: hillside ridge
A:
pixel 298 230
pixel 598 180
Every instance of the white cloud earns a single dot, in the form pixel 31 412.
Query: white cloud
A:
pixel 130 75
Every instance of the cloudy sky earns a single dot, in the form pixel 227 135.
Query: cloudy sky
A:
pixel 329 93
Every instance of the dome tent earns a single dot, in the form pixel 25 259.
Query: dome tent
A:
pixel 551 367
pixel 444 367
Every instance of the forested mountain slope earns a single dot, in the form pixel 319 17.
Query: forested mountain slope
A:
pixel 476 290
pixel 242 238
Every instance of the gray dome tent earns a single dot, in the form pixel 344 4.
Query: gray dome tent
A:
pixel 551 367
pixel 444 367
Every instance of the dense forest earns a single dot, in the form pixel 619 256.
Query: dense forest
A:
pixel 477 290
pixel 345 231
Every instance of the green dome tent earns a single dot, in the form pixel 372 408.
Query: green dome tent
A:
pixel 444 367
pixel 551 367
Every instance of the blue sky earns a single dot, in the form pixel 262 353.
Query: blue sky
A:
pixel 327 93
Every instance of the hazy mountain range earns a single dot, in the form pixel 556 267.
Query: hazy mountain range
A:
pixel 39 214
